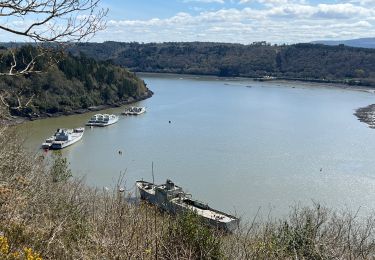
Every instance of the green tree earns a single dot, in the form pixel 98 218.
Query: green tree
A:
pixel 60 170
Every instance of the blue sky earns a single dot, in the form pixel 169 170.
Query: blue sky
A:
pixel 242 21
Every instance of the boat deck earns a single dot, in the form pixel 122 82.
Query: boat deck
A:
pixel 207 213
pixel 172 198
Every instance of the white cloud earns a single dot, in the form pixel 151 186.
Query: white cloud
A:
pixel 276 21
pixel 363 2
pixel 235 26
pixel 292 22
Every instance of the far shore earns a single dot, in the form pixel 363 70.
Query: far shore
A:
pixel 303 82
pixel 323 83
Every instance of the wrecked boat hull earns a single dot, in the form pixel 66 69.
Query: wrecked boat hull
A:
pixel 173 199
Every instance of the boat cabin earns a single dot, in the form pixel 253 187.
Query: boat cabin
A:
pixel 167 191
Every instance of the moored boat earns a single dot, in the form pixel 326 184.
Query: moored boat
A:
pixel 129 111
pixel 48 142
pixel 102 120
pixel 66 137
pixel 173 199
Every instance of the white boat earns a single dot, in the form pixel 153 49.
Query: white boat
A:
pixel 66 137
pixel 173 199
pixel 102 120
pixel 134 111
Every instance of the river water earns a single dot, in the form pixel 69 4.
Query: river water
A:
pixel 237 144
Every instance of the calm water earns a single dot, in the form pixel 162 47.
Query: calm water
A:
pixel 236 147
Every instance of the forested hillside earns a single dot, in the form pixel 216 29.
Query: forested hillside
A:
pixel 300 61
pixel 63 83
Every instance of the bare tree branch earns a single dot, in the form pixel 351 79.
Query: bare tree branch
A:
pixel 3 101
pixel 28 66
pixel 13 64
pixel 54 20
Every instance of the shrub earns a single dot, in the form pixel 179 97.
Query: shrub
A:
pixel 188 236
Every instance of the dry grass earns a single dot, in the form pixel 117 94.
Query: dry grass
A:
pixel 59 217
pixel 308 233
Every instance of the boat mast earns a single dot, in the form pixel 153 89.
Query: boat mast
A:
pixel 152 171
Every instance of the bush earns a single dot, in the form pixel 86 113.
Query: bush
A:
pixel 188 236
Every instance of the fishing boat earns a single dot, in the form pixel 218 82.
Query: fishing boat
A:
pixel 66 137
pixel 133 111
pixel 173 199
pixel 102 120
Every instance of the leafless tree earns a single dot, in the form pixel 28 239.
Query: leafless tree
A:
pixel 45 21
pixel 53 20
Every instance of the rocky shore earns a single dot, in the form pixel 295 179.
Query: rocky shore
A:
pixel 366 115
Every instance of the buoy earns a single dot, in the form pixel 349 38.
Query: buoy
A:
pixel 169 121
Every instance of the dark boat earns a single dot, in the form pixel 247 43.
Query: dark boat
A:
pixel 173 199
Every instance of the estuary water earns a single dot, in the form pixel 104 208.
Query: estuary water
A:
pixel 240 145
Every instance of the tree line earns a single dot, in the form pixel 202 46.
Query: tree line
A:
pixel 298 61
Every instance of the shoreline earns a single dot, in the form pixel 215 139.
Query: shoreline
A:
pixel 149 94
pixel 368 89
pixel 19 120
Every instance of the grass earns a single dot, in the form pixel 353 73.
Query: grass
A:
pixel 46 213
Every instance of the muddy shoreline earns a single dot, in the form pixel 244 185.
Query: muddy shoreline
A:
pixel 20 120
pixel 324 83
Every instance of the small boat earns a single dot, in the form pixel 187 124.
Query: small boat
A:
pixel 173 199
pixel 48 142
pixel 102 120
pixel 66 137
pixel 133 111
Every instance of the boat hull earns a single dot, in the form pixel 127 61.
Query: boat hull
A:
pixel 103 124
pixel 46 145
pixel 228 226
pixel 134 111
pixel 177 205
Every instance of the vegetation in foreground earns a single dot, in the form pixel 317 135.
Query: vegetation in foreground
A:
pixel 311 62
pixel 61 83
pixel 45 213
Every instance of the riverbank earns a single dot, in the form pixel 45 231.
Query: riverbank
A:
pixel 353 83
pixel 303 82
pixel 11 121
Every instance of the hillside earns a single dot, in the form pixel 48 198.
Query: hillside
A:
pixel 300 61
pixel 66 85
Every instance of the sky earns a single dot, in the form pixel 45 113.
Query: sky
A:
pixel 240 21
pixel 236 21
